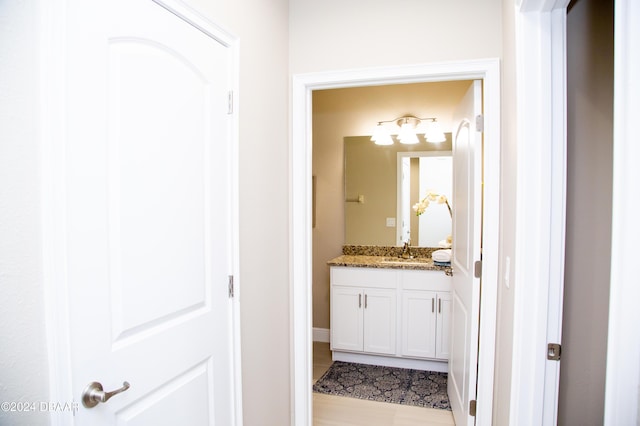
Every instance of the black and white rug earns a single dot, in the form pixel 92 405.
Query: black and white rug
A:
pixel 385 384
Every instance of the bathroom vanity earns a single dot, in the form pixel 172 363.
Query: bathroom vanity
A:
pixel 390 311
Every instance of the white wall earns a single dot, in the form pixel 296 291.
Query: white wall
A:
pixel 23 356
pixel 262 27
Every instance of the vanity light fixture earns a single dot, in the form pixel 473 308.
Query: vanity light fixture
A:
pixel 409 126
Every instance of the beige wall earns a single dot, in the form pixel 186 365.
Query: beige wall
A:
pixel 351 112
pixel 504 331
pixel 588 237
pixel 262 27
pixel 338 35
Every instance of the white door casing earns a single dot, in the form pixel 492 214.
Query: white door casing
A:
pixel 144 200
pixel 300 253
pixel 465 291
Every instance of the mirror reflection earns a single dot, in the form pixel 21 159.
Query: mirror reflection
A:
pixel 382 183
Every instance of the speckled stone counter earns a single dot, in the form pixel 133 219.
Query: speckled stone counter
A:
pixel 392 251
pixel 387 257
pixel 424 264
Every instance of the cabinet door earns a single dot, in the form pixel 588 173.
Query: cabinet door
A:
pixel 419 323
pixel 380 321
pixel 346 318
pixel 444 324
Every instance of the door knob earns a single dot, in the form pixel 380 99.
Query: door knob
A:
pixel 93 394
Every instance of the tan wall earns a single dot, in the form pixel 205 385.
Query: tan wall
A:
pixel 508 161
pixel 348 112
pixel 338 35
pixel 262 26
pixel 588 233
pixel 372 176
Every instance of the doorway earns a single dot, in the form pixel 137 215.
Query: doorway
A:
pixel 303 87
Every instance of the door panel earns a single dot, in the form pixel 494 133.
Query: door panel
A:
pixel 419 323
pixel 379 321
pixel 346 318
pixel 443 342
pixel 465 294
pixel 148 185
pixel 156 407
pixel 156 166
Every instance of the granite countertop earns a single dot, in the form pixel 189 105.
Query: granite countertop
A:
pixel 388 262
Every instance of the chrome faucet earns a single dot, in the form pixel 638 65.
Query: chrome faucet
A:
pixel 406 250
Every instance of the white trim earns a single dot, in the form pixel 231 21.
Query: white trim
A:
pixel 53 116
pixel 540 209
pixel 300 243
pixel 622 389
pixel 321 335
pixel 53 137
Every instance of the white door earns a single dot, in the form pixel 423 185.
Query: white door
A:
pixel 346 318
pixel 465 294
pixel 379 321
pixel 443 333
pixel 419 323
pixel 148 222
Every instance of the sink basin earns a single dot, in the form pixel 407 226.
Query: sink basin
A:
pixel 401 261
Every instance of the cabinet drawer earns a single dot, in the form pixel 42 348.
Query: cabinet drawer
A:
pixel 364 277
pixel 425 280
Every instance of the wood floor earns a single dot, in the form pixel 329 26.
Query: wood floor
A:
pixel 331 410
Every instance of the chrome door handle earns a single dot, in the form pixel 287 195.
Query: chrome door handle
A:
pixel 94 394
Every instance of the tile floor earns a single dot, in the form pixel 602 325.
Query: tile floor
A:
pixel 331 410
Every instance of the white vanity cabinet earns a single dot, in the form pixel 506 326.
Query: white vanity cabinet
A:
pixel 394 317
pixel 363 311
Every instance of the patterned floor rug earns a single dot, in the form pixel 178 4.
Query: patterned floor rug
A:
pixel 385 384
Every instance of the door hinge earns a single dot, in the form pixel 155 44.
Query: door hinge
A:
pixel 553 351
pixel 480 123
pixel 230 103
pixel 472 407
pixel 477 269
pixel 230 286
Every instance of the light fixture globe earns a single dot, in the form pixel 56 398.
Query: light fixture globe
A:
pixel 381 135
pixel 407 135
pixel 434 133
pixel 409 126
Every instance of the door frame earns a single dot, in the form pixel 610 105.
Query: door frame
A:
pixel 53 115
pixel 540 27
pixel 623 348
pixel 300 254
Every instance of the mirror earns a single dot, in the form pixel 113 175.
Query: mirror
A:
pixel 376 211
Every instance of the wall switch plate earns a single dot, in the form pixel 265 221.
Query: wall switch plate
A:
pixel 391 222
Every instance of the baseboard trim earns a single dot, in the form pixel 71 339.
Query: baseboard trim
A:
pixel 320 334
pixel 390 361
